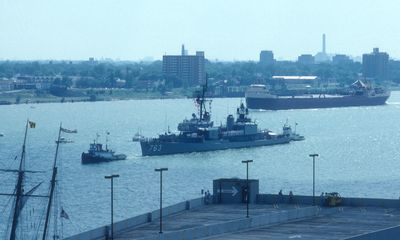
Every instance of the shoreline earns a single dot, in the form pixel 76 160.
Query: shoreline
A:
pixel 85 95
pixel 18 97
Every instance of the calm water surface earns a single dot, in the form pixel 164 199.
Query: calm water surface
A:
pixel 358 147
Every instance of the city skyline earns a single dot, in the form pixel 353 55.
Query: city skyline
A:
pixel 125 30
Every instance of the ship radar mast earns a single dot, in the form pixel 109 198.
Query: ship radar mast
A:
pixel 201 101
pixel 242 113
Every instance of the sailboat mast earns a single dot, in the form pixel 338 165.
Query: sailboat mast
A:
pixel 18 188
pixel 53 184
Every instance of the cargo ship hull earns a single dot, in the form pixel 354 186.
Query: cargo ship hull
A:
pixel 154 148
pixel 284 103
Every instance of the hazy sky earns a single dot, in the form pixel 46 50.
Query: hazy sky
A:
pixel 225 30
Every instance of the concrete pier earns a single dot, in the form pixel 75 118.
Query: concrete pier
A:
pixel 271 217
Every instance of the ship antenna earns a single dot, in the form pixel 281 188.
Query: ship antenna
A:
pixel 107 133
pixel 165 122
pixel 209 105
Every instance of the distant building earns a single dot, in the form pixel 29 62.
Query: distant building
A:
pixel 267 58
pixel 322 56
pixel 375 65
pixel 120 83
pixel 190 69
pixel 306 59
pixel 92 60
pixel 34 82
pixel 341 59
pixel 6 84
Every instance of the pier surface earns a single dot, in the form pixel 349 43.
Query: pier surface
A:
pixel 271 216
pixel 266 221
pixel 208 215
pixel 341 223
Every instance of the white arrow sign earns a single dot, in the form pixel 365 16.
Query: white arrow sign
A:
pixel 234 191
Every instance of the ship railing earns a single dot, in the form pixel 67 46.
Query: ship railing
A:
pixel 233 133
pixel 147 139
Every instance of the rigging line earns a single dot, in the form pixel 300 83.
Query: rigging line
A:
pixel 38 216
pixel 8 202
pixel 41 216
pixel 57 197
pixel 76 227
pixel 9 220
pixel 55 209
pixel 10 163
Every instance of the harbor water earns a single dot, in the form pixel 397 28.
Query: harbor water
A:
pixel 359 152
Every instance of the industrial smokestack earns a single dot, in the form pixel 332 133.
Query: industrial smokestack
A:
pixel 323 44
pixel 183 50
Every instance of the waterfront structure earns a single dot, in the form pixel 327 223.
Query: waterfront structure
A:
pixel 6 84
pixel 188 69
pixel 273 216
pixel 266 58
pixel 306 59
pixel 375 65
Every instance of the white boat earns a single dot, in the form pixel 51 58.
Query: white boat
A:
pixel 64 140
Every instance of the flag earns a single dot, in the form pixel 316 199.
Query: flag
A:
pixel 32 124
pixel 64 214
pixel 69 131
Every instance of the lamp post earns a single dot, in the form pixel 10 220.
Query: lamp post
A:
pixel 161 170
pixel 247 185
pixel 112 201
pixel 313 178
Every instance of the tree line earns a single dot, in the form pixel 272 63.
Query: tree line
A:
pixel 86 74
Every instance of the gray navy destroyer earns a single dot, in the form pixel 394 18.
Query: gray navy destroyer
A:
pixel 359 94
pixel 199 133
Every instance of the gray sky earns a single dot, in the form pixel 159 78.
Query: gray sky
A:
pixel 225 30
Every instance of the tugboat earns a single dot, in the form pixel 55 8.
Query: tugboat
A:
pixel 199 133
pixel 97 154
pixel 287 130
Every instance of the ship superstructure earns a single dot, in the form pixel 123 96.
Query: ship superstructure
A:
pixel 359 94
pixel 199 133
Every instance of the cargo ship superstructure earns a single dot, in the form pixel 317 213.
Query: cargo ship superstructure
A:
pixel 359 94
